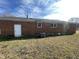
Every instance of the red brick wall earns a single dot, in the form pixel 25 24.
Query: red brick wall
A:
pixel 7 27
pixel 46 28
pixel 72 28
pixel 28 27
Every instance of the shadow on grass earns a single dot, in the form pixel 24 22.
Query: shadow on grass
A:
pixel 6 38
pixel 11 38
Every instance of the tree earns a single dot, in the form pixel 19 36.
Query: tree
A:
pixel 74 19
pixel 37 8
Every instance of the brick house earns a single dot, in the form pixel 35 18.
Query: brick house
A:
pixel 17 26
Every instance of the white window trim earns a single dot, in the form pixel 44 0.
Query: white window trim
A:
pixel 39 26
pixel 54 26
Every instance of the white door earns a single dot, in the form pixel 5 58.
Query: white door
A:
pixel 17 30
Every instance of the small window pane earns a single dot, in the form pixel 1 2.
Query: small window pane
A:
pixel 39 25
pixel 53 25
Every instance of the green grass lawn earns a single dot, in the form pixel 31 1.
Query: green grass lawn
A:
pixel 58 47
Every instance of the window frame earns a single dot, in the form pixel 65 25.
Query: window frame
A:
pixel 40 25
pixel 53 25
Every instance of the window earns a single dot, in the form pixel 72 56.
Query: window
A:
pixel 53 25
pixel 39 25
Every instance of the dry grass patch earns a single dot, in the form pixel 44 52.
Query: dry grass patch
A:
pixel 60 47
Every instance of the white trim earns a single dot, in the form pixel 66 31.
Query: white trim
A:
pixel 39 24
pixel 53 26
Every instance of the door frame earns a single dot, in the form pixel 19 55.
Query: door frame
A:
pixel 17 30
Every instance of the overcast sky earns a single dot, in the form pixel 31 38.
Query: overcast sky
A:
pixel 49 9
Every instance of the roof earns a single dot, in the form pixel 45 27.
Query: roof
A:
pixel 15 19
pixel 31 19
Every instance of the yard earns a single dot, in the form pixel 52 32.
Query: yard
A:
pixel 58 47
